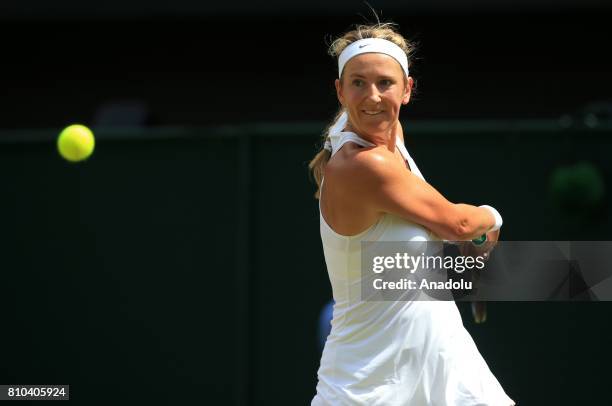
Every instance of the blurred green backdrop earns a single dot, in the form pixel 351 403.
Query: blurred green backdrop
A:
pixel 185 265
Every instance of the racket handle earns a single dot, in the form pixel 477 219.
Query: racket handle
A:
pixel 479 311
pixel 481 240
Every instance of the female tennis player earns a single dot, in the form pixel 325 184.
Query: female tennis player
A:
pixel 370 189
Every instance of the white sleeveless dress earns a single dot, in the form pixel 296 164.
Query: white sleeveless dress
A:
pixel 400 352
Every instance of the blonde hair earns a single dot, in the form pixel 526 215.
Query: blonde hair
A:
pixel 379 30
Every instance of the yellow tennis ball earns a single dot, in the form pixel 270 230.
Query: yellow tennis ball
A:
pixel 76 143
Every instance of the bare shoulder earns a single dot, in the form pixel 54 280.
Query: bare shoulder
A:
pixel 375 162
pixel 361 169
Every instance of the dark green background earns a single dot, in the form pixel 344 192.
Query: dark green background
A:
pixel 185 266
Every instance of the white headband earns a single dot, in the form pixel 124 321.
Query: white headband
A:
pixel 377 45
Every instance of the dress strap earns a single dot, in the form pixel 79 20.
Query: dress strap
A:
pixel 343 137
pixel 413 167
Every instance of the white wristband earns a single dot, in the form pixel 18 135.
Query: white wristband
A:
pixel 498 217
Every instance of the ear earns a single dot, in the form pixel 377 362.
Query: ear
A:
pixel 339 94
pixel 408 90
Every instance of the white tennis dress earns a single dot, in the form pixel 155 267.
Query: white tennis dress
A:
pixel 395 352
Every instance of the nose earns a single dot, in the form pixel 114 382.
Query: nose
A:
pixel 373 94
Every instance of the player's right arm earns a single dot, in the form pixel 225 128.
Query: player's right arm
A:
pixel 387 187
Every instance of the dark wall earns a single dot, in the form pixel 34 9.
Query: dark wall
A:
pixel 182 267
pixel 140 8
pixel 115 278
pixel 236 69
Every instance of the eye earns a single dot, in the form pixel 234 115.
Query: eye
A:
pixel 358 82
pixel 386 82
